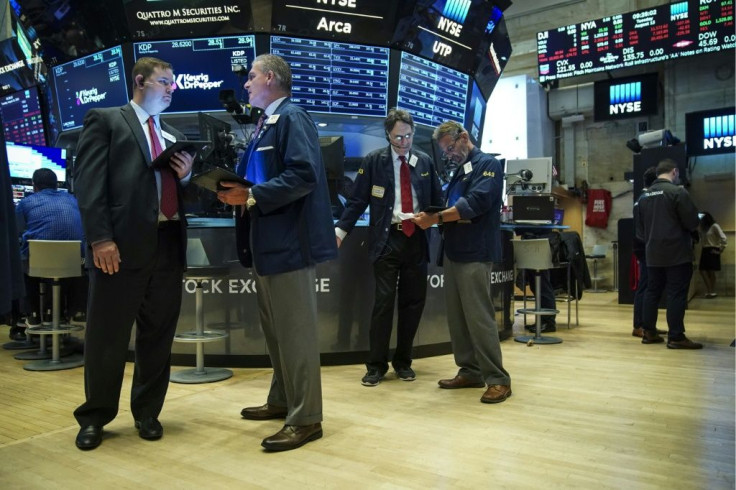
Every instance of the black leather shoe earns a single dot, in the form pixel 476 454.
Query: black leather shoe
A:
pixel 264 412
pixel 89 437
pixel 292 437
pixel 149 429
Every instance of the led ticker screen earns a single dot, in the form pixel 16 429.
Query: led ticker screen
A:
pixel 652 35
pixel 334 77
pixel 624 98
pixel 202 67
pixel 23 160
pixel 22 119
pixel 432 93
pixel 97 80
pixel 711 132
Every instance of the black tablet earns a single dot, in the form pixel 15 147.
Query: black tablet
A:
pixel 211 179
pixel 434 209
pixel 189 146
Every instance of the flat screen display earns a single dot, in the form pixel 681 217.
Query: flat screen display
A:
pixel 96 80
pixel 202 67
pixel 23 160
pixel 22 118
pixel 624 98
pixel 661 33
pixel 475 116
pixel 494 52
pixel 335 77
pixel 432 93
pixel 711 132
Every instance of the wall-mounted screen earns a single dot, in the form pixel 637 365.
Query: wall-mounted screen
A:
pixel 623 98
pixel 493 53
pixel 23 160
pixel 475 116
pixel 661 33
pixel 22 118
pixel 96 80
pixel 334 77
pixel 711 132
pixel 432 93
pixel 202 67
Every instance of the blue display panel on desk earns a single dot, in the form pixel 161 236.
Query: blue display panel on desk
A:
pixel 22 117
pixel 334 77
pixel 23 160
pixel 431 92
pixel 97 80
pixel 202 67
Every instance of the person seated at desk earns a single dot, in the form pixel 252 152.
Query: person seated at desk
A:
pixel 48 214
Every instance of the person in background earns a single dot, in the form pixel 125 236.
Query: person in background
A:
pixel 136 251
pixel 397 182
pixel 667 218
pixel 283 229
pixel 49 214
pixel 471 243
pixel 713 241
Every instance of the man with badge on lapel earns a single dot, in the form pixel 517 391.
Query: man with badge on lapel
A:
pixel 471 243
pixel 283 229
pixel 134 224
pixel 397 181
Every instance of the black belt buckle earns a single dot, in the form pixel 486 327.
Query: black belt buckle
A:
pixel 397 226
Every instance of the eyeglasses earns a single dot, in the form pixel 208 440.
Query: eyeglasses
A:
pixel 401 137
pixel 450 148
pixel 165 82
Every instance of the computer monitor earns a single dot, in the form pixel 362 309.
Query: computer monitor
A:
pixel 23 160
pixel 22 117
pixel 333 156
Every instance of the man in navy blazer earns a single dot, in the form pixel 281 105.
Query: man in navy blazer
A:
pixel 136 251
pixel 399 250
pixel 283 229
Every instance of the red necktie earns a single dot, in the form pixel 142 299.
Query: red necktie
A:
pixel 407 203
pixel 259 124
pixel 169 203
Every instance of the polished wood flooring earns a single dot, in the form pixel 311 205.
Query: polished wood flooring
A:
pixel 600 410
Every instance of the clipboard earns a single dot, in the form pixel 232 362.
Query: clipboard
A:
pixel 434 209
pixel 189 146
pixel 211 179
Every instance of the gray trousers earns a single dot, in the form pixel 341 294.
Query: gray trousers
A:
pixel 287 304
pixel 470 317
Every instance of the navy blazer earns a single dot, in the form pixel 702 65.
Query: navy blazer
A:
pixel 375 185
pixel 477 195
pixel 290 227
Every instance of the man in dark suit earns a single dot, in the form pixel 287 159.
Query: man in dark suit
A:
pixel 283 229
pixel 134 222
pixel 397 182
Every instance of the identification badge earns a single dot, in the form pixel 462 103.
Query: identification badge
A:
pixel 168 136
pixel 413 160
pixel 378 191
pixel 468 167
pixel 272 119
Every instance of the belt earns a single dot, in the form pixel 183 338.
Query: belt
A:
pixel 169 223
pixel 397 226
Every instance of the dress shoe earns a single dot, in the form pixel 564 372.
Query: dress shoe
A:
pixel 149 429
pixel 460 382
pixel 545 327
pixel 17 333
pixel 496 394
pixel 292 437
pixel 651 338
pixel 639 332
pixel 89 437
pixel 683 343
pixel 264 412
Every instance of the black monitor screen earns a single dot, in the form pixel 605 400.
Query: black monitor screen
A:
pixel 202 67
pixel 337 78
pixel 432 93
pixel 711 132
pixel 22 118
pixel 625 97
pixel 97 80
pixel 23 160
pixel 476 114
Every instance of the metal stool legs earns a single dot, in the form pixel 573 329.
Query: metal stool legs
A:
pixel 537 338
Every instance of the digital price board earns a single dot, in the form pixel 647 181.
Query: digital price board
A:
pixel 22 118
pixel 333 77
pixel 432 93
pixel 662 33
pixel 356 21
pixel 202 67
pixel 96 80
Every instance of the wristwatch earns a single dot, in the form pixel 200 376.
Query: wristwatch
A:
pixel 439 218
pixel 251 201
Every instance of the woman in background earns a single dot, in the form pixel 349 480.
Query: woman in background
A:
pixel 713 241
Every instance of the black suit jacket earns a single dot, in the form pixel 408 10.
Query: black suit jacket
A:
pixel 116 186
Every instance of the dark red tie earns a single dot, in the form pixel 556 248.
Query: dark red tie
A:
pixel 259 124
pixel 169 203
pixel 407 203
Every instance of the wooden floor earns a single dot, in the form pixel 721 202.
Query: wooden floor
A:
pixel 600 410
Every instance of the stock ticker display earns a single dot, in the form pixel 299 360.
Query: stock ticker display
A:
pixel 662 33
pixel 22 119
pixel 335 77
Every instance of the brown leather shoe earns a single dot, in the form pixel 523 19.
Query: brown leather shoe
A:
pixel 264 412
pixel 292 437
pixel 496 394
pixel 685 343
pixel 651 338
pixel 460 382
pixel 639 332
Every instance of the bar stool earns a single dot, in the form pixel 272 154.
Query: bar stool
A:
pixel 200 273
pixel 535 255
pixel 55 260
pixel 599 252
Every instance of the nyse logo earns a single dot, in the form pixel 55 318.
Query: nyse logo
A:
pixel 678 11
pixel 456 10
pixel 718 132
pixel 625 98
